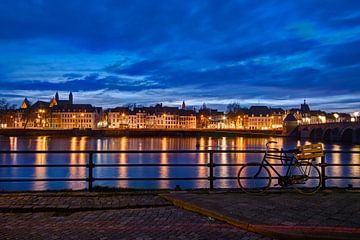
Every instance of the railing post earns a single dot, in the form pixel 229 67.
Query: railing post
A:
pixel 323 175
pixel 90 172
pixel 211 170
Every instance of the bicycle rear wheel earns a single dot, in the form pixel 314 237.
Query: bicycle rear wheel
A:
pixel 254 178
pixel 306 178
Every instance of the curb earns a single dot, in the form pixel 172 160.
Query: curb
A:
pixel 283 232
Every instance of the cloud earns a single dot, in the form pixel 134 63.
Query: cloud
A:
pixel 169 50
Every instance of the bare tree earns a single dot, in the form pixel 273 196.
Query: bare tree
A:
pixel 5 105
pixel 233 107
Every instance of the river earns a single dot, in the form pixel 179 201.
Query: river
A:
pixel 151 143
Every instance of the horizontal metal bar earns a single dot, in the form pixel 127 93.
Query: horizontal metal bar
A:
pixel 159 151
pixel 43 180
pixel 42 165
pixel 339 177
pixel 168 165
pixel 244 164
pixel 341 164
pixel 149 179
pixel 126 151
pixel 151 165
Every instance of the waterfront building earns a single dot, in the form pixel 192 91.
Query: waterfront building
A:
pixel 117 117
pixel 58 114
pixel 157 116
pixel 264 118
pixel 211 118
pixel 256 118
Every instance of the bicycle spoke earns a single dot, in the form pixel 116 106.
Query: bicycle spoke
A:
pixel 306 178
pixel 254 178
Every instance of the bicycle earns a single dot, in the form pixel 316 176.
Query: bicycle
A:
pixel 301 173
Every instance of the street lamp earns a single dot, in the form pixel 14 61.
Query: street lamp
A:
pixel 41 116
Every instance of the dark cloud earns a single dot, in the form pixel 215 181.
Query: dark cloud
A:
pixel 346 54
pixel 72 75
pixel 198 49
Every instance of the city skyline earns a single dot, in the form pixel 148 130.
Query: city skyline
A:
pixel 111 53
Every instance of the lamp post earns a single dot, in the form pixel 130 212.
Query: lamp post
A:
pixel 41 117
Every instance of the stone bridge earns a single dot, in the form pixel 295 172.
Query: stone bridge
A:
pixel 336 132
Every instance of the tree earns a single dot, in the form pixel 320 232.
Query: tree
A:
pixel 233 107
pixel 28 115
pixel 5 105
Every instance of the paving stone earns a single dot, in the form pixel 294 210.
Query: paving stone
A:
pixel 317 214
pixel 148 217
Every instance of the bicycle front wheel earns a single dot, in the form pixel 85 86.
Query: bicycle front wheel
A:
pixel 254 178
pixel 306 178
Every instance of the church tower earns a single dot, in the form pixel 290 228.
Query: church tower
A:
pixel 57 96
pixel 71 98
pixel 183 106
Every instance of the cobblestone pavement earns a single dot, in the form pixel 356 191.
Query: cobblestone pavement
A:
pixel 22 202
pixel 333 213
pixel 145 217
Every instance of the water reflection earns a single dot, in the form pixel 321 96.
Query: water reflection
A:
pixel 123 171
pixel 124 143
pixel 164 171
pixel 202 171
pixel 77 144
pixel 41 159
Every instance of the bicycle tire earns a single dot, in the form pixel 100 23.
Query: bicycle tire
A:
pixel 259 181
pixel 312 179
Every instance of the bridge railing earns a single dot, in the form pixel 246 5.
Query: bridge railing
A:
pixel 211 165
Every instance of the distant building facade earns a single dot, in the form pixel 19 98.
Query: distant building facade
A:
pixel 66 114
pixel 157 116
pixel 305 115
pixel 58 114
pixel 256 118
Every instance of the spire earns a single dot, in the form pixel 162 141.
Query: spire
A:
pixel 304 101
pixel 25 104
pixel 57 96
pixel 183 106
pixel 71 98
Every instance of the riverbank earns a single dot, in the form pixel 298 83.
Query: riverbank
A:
pixel 141 132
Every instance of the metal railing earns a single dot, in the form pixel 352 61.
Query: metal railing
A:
pixel 91 165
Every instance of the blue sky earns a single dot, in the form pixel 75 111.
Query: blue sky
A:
pixel 112 53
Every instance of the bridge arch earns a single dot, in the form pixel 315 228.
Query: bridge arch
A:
pixel 328 135
pixel 347 135
pixel 335 134
pixel 316 133
pixel 357 136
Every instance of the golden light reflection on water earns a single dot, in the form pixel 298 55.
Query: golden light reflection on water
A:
pixel 76 144
pixel 124 143
pixel 41 158
pixel 202 171
pixel 355 171
pixel 223 171
pixel 13 147
pixel 336 159
pixel 164 171
pixel 123 171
